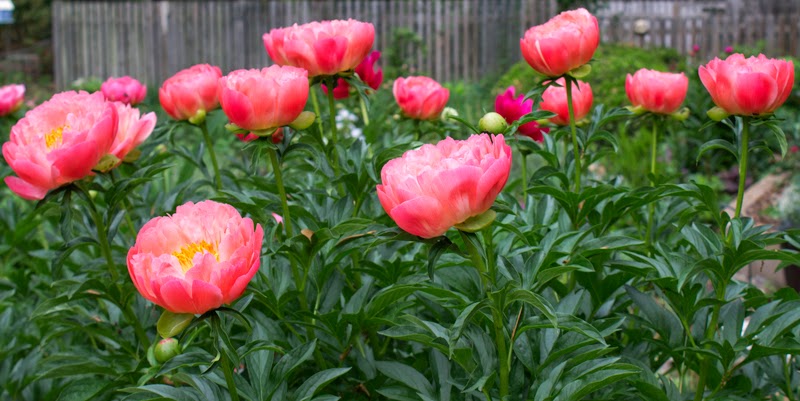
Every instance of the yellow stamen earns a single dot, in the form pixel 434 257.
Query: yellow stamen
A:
pixel 53 138
pixel 186 253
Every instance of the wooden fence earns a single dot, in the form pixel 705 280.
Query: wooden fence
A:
pixel 461 39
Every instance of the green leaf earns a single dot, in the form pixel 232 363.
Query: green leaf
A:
pixel 407 375
pixel 718 144
pixel 316 381
pixel 171 324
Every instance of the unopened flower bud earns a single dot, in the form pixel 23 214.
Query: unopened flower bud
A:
pixel 448 112
pixel 167 349
pixel 492 123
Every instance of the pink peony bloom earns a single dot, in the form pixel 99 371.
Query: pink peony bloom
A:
pixel 747 86
pixel 366 72
pixel 133 129
pixel 430 189
pixel 197 259
pixel 124 89
pixel 656 92
pixel 263 99
pixel 322 48
pixel 190 91
pixel 513 108
pixel 11 98
pixel 420 98
pixel 59 142
pixel 562 44
pixel 554 99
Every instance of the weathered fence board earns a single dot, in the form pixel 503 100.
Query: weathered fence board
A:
pixel 463 39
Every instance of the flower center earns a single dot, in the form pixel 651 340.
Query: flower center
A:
pixel 53 138
pixel 187 252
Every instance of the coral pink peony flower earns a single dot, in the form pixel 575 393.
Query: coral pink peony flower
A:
pixel 322 48
pixel 197 259
pixel 562 44
pixel 554 99
pixel 263 99
pixel 11 98
pixel 190 92
pixel 420 98
pixel 435 187
pixel 59 142
pixel 133 129
pixel 366 72
pixel 124 89
pixel 747 86
pixel 656 92
pixel 513 108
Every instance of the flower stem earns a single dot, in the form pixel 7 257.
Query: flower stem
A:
pixel 210 146
pixel 364 111
pixel 227 370
pixel 652 207
pixel 332 117
pixel 576 151
pixel 710 331
pixel 524 178
pixel 276 169
pixel 315 102
pixel 742 165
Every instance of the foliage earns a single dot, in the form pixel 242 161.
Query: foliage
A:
pixel 613 291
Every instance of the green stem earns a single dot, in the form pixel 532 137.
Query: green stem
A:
pixel 227 370
pixel 332 119
pixel 787 374
pixel 502 350
pixel 364 112
pixel 210 146
pixel 276 169
pixel 315 102
pixel 742 164
pixel 105 249
pixel 710 331
pixel 576 151
pixel 524 178
pixel 652 207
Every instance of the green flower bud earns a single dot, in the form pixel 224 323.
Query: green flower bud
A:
pixel 447 113
pixel 717 114
pixel 492 123
pixel 167 349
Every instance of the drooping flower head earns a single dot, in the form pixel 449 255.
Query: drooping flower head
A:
pixel 58 142
pixel 259 100
pixel 420 98
pixel 564 43
pixel 11 98
pixel 430 189
pixel 554 99
pixel 197 259
pixel 366 71
pixel 322 48
pixel 655 91
pixel 124 89
pixel 748 86
pixel 513 108
pixel 190 93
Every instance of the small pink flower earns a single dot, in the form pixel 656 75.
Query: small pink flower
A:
pixel 59 142
pixel 420 98
pixel 133 129
pixel 513 108
pixel 656 92
pixel 565 42
pixel 366 72
pixel 729 49
pixel 747 86
pixel 430 189
pixel 124 89
pixel 554 99
pixel 794 149
pixel 259 100
pixel 197 259
pixel 11 98
pixel 190 91
pixel 278 218
pixel 322 48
